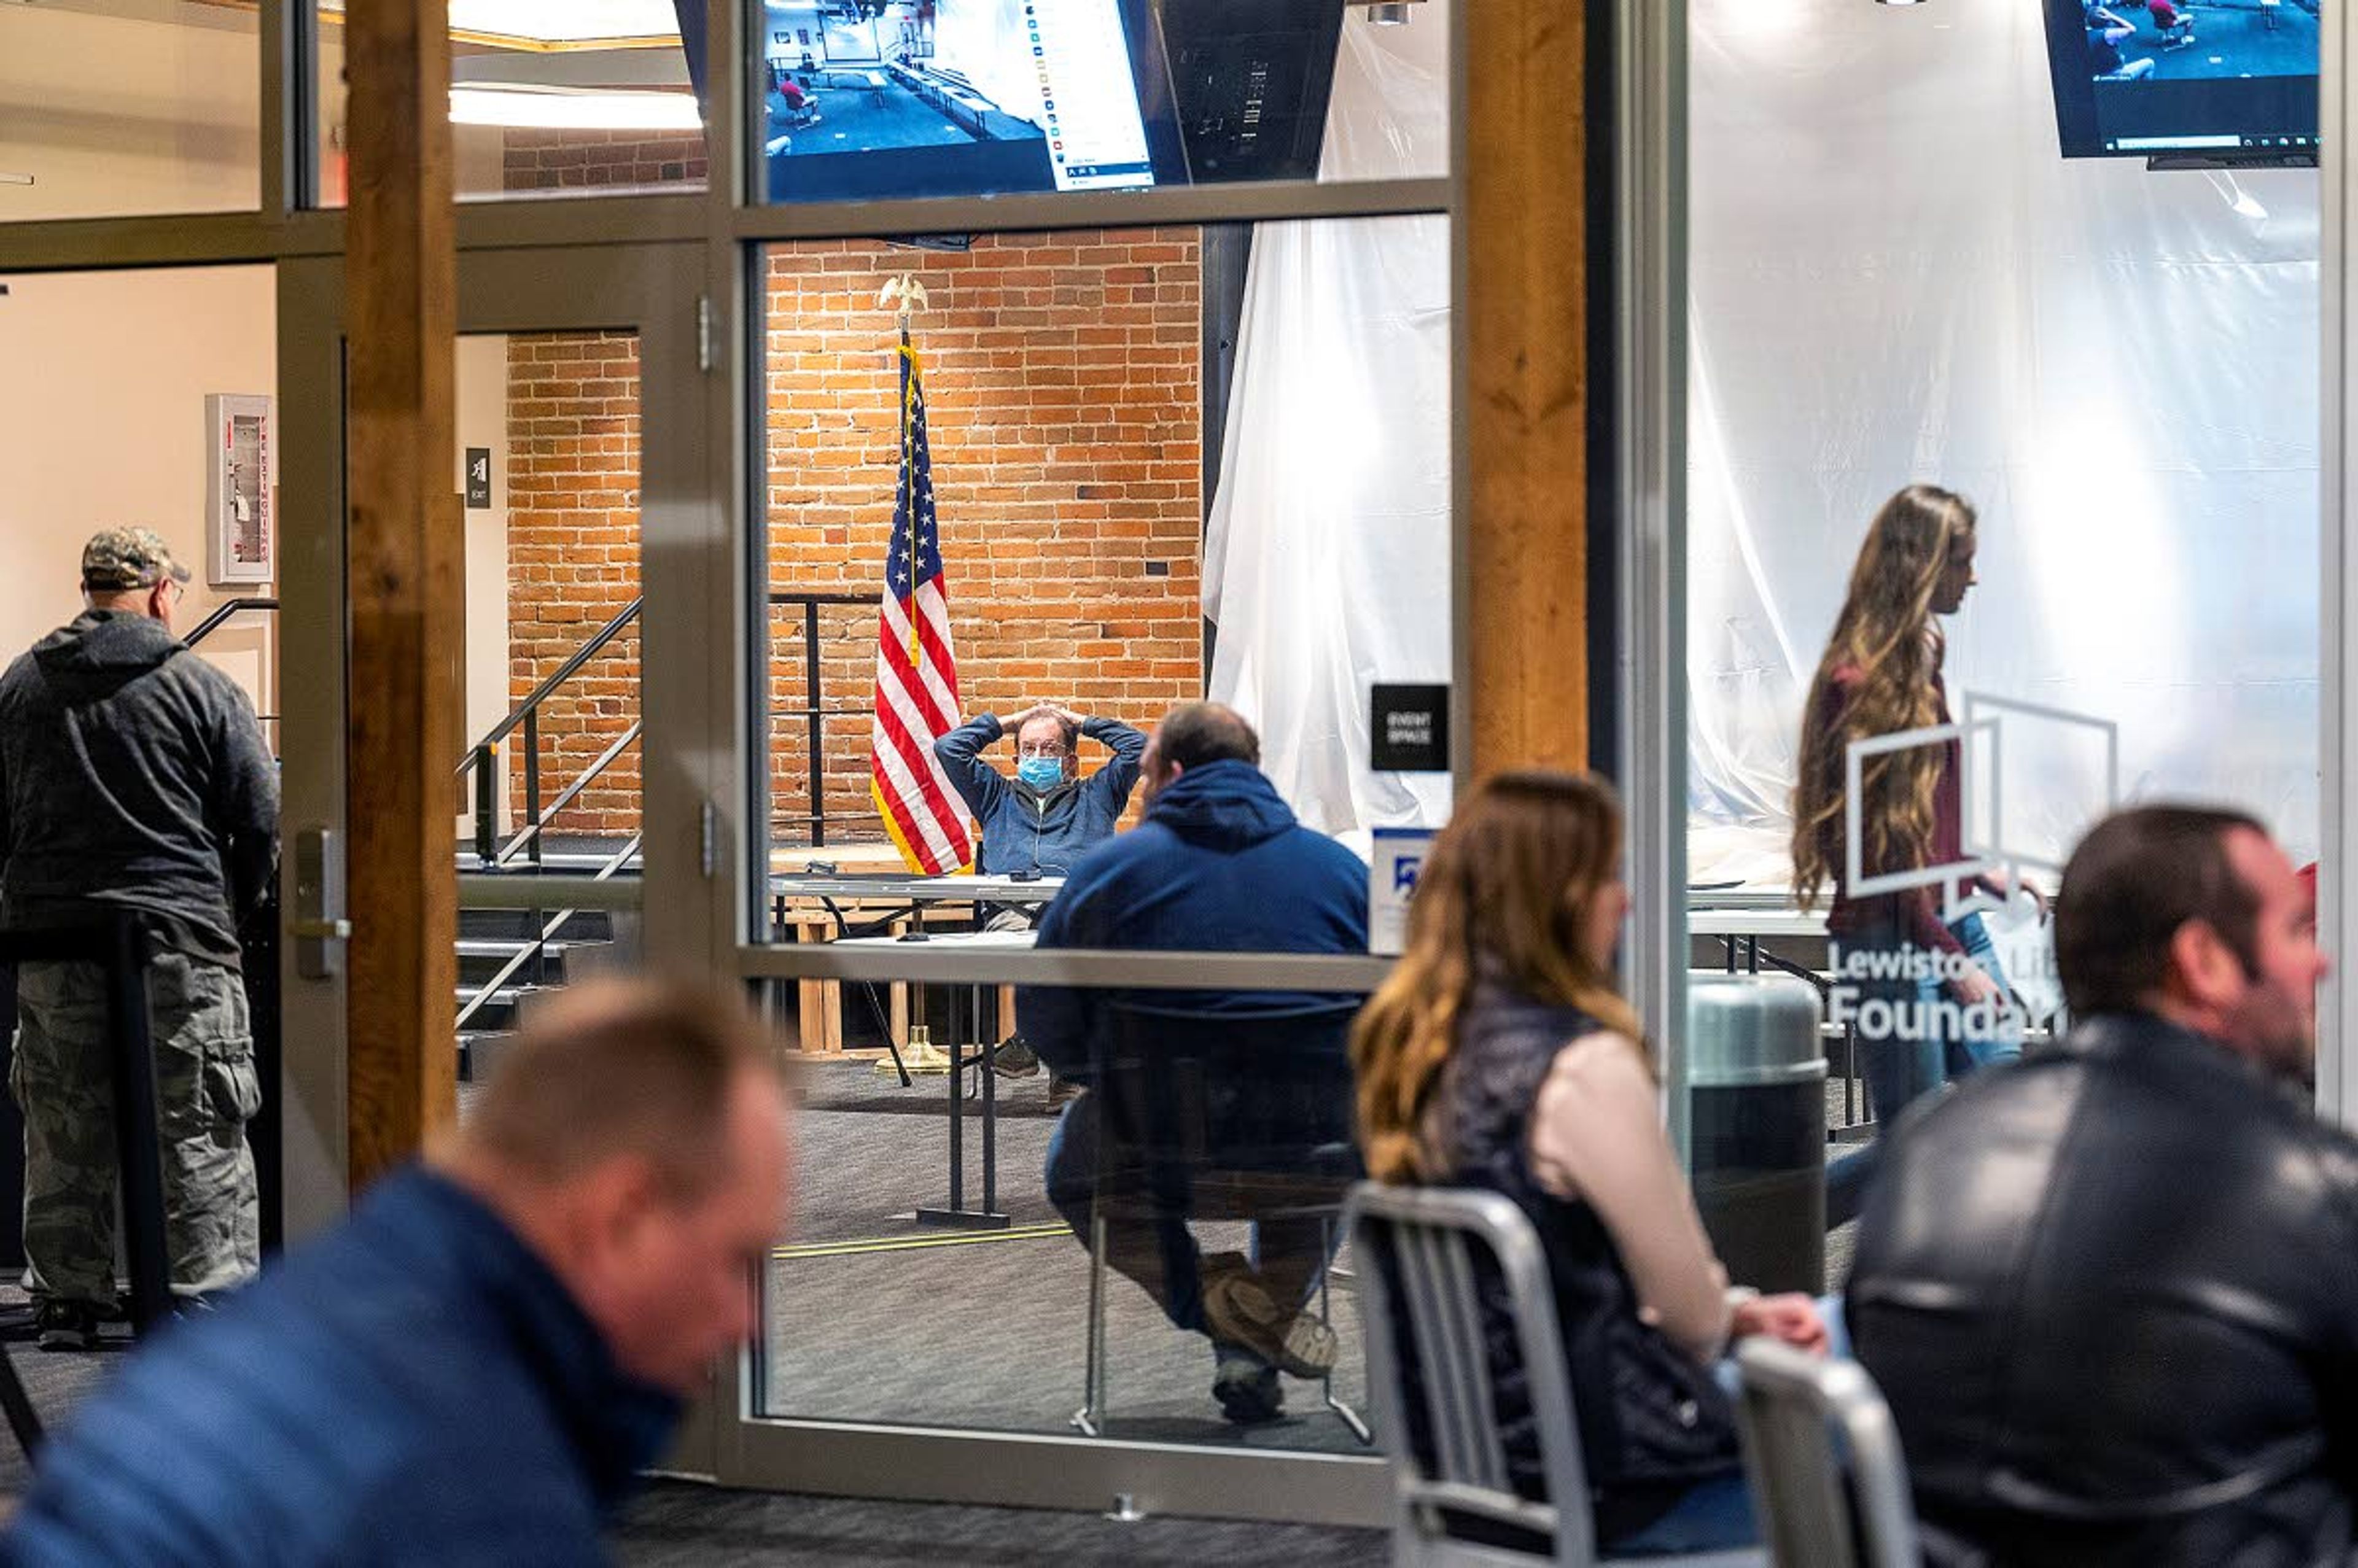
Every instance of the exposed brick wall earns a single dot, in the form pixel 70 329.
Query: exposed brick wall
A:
pixel 1063 411
pixel 573 563
pixel 551 160
pixel 1061 377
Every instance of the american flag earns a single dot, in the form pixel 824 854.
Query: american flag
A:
pixel 916 671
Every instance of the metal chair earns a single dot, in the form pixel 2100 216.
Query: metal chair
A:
pixel 1420 1252
pixel 1824 1459
pixel 1223 1116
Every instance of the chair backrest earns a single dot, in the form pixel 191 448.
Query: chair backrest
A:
pixel 1262 1090
pixel 1823 1458
pixel 1419 1256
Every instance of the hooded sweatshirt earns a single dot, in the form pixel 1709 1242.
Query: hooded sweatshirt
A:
pixel 1220 865
pixel 133 775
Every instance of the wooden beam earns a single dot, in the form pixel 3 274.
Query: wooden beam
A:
pixel 1522 294
pixel 405 576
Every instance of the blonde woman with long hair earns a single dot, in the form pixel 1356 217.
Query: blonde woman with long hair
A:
pixel 1499 1054
pixel 1881 675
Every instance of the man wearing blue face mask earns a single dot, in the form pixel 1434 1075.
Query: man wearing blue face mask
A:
pixel 1045 819
pixel 1040 823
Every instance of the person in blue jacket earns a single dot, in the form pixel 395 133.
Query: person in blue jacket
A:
pixel 473 1366
pixel 1041 822
pixel 1219 863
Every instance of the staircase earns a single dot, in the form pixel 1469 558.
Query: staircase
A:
pixel 507 957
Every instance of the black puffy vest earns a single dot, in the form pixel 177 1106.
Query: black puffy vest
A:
pixel 1652 1422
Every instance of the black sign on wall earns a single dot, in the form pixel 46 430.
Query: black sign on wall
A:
pixel 1409 730
pixel 478 478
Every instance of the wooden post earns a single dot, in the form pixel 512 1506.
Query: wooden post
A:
pixel 1523 292
pixel 405 573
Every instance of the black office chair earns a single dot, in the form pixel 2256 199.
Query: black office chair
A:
pixel 1213 1115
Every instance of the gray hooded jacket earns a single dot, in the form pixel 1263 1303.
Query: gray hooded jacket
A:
pixel 133 774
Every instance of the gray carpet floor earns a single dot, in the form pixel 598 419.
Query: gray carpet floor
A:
pixel 874 1317
pixel 677 1525
pixel 674 1524
pixel 877 1318
pixel 939 1327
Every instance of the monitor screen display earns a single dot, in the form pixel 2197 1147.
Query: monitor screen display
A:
pixel 2230 80
pixel 1253 78
pixel 868 99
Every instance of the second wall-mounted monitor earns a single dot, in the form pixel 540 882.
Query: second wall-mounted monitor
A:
pixel 1253 78
pixel 2226 81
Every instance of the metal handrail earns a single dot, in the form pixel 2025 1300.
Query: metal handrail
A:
pixel 221 613
pixel 815 716
pixel 485 751
pixel 483 754
pixel 607 633
pixel 533 950
pixel 563 673
pixel 531 834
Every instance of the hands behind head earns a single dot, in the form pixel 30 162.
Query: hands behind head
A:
pixel 1793 1317
pixel 1043 710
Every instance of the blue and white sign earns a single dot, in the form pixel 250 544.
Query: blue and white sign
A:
pixel 1392 879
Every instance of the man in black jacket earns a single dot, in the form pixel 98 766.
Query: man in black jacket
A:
pixel 2112 1293
pixel 132 776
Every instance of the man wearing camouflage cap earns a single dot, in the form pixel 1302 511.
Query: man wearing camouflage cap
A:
pixel 132 776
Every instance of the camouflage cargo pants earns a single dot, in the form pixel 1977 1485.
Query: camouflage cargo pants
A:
pixel 205 1092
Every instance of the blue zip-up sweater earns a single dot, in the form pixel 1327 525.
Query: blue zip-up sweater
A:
pixel 1032 831
pixel 1220 865
pixel 417 1387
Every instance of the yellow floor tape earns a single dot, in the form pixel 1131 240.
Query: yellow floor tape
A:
pixel 913 1243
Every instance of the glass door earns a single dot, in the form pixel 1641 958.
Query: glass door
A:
pixel 581 462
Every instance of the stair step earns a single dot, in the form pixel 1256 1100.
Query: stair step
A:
pixel 478 1051
pixel 515 925
pixel 570 862
pixel 505 947
pixel 505 997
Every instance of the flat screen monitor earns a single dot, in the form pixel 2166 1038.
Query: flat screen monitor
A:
pixel 872 98
pixel 1253 78
pixel 2224 80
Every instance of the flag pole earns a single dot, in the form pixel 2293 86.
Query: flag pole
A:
pixel 908 295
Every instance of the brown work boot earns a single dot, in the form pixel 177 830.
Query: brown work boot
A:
pixel 1239 1310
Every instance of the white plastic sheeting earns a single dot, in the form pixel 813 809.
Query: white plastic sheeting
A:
pixel 1895 277
pixel 1327 557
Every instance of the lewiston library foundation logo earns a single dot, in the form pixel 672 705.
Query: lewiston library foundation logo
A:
pixel 1902 992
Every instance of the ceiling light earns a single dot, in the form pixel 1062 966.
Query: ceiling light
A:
pixel 1388 14
pixel 485 103
pixel 538 25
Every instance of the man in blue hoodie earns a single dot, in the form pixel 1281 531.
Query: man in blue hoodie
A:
pixel 1218 864
pixel 132 776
